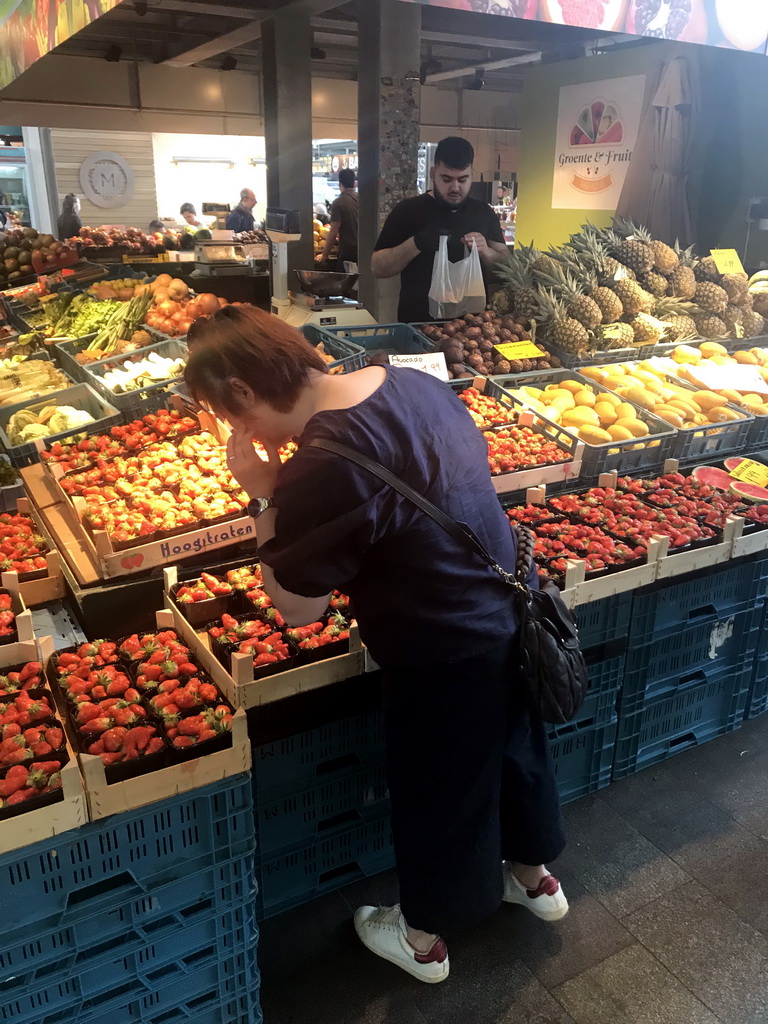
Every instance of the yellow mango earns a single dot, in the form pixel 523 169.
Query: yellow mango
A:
pixel 619 433
pixel 607 413
pixel 721 414
pixel 580 417
pixel 686 408
pixel 686 354
pixel 594 373
pixel 569 385
pixel 707 399
pixel 625 411
pixel 585 397
pixel 723 360
pixel 745 358
pixel 610 397
pixel 562 402
pixel 671 416
pixel 700 419
pixel 594 435
pixel 755 409
pixel 751 399
pixel 712 348
pixel 639 396
pixel 636 427
pixel 614 382
pixel 729 396
pixel 533 392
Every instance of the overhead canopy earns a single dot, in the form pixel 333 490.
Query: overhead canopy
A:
pixel 742 24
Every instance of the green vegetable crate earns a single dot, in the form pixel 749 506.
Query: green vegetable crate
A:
pixel 80 396
pixel 145 399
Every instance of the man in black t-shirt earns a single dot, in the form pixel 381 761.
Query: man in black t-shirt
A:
pixel 411 235
pixel 343 222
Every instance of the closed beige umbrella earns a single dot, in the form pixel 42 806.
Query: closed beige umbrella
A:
pixel 655 191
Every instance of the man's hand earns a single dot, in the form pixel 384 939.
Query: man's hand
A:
pixel 427 240
pixel 255 476
pixel 483 249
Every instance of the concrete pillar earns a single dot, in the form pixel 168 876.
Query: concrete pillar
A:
pixel 286 43
pixel 388 134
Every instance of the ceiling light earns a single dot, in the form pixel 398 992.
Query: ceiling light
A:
pixel 476 83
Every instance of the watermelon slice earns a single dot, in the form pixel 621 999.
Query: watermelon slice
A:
pixel 713 477
pixel 733 463
pixel 750 491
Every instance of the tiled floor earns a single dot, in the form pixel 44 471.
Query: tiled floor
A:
pixel 667 877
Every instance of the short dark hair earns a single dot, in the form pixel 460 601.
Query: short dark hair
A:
pixel 188 208
pixel 253 346
pixel 156 225
pixel 347 178
pixel 454 152
pixel 68 205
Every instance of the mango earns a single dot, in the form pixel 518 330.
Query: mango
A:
pixel 729 396
pixel 594 373
pixel 610 397
pixel 585 398
pixel 723 360
pixel 745 358
pixel 722 414
pixel 707 399
pixel 594 435
pixel 640 396
pixel 607 413
pixel 671 416
pixel 580 417
pixel 625 411
pixel 636 427
pixel 712 348
pixel 619 433
pixel 686 354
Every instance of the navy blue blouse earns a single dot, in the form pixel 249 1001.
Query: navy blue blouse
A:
pixel 418 596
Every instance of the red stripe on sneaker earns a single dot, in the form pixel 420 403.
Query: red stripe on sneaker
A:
pixel 548 886
pixel 437 954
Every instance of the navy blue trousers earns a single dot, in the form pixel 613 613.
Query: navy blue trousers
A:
pixel 471 781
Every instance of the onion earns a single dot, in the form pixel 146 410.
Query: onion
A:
pixel 184 326
pixel 168 327
pixel 207 304
pixel 192 309
pixel 179 315
pixel 168 308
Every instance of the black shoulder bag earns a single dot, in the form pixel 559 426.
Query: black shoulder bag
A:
pixel 553 667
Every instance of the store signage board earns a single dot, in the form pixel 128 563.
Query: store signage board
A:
pixel 727 261
pixel 751 472
pixel 597 127
pixel 519 350
pixel 107 179
pixel 432 363
pixel 731 23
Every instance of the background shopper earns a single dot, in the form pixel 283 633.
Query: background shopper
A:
pixel 468 769
pixel 69 223
pixel 189 213
pixel 411 233
pixel 241 218
pixel 344 218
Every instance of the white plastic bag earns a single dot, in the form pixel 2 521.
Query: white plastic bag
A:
pixel 456 288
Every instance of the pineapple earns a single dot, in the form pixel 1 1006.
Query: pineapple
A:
pixel 706 270
pixel 678 319
pixel 519 284
pixel 733 317
pixel 613 336
pixel 588 248
pixel 665 259
pixel 682 280
pixel 647 329
pixel 711 327
pixel 499 302
pixel 561 329
pixel 654 283
pixel 633 298
pixel 579 306
pixel 633 254
pixel 711 297
pixel 736 286
pixel 754 324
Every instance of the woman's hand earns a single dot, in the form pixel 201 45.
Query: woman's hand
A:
pixel 255 476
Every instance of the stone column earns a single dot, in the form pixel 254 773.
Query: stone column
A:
pixel 286 42
pixel 388 133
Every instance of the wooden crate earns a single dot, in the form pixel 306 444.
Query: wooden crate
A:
pixel 240 688
pixel 104 798
pixel 71 812
pixel 50 587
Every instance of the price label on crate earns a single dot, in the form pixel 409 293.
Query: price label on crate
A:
pixel 751 472
pixel 428 362
pixel 744 378
pixel 519 350
pixel 727 261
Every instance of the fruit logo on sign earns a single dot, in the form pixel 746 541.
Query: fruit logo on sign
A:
pixel 599 124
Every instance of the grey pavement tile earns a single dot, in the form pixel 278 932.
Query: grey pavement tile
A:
pixel 722 960
pixel 557 951
pixel 631 987
pixel 613 861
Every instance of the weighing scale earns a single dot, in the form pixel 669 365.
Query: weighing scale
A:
pixel 324 299
pixel 220 259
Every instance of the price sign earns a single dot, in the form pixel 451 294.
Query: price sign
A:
pixel 727 261
pixel 744 378
pixel 432 363
pixel 751 472
pixel 519 350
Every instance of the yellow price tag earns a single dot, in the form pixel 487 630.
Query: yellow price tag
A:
pixel 727 261
pixel 751 472
pixel 519 350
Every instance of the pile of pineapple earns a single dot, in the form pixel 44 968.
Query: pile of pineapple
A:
pixel 617 288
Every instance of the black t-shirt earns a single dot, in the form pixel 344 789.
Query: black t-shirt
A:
pixel 344 213
pixel 423 211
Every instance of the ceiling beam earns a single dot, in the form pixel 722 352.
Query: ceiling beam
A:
pixel 494 65
pixel 482 41
pixel 247 33
pixel 215 10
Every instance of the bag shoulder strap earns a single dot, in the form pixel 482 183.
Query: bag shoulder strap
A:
pixel 459 531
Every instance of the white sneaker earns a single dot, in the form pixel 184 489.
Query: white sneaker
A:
pixel 382 930
pixel 547 901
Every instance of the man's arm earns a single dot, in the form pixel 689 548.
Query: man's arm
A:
pixel 489 252
pixel 330 238
pixel 390 262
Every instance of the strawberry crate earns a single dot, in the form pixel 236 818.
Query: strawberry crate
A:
pixel 309 812
pixel 80 396
pixel 289 878
pixel 669 725
pixel 582 752
pixel 143 400
pixel 673 663
pixel 622 456
pixel 346 355
pixel 120 975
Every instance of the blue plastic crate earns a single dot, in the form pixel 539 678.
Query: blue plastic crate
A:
pixel 290 878
pixel 669 725
pixel 389 339
pixel 135 404
pixel 109 875
pixel 320 753
pixel 346 355
pixel 675 661
pixel 92 977
pixel 757 701
pixel 583 755
pixel 603 620
pixel 606 674
pixel 665 607
pixel 305 813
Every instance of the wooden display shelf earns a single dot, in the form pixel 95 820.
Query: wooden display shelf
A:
pixel 240 688
pixel 33 826
pixel 104 798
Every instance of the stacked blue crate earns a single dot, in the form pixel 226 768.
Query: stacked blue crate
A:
pixel 141 917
